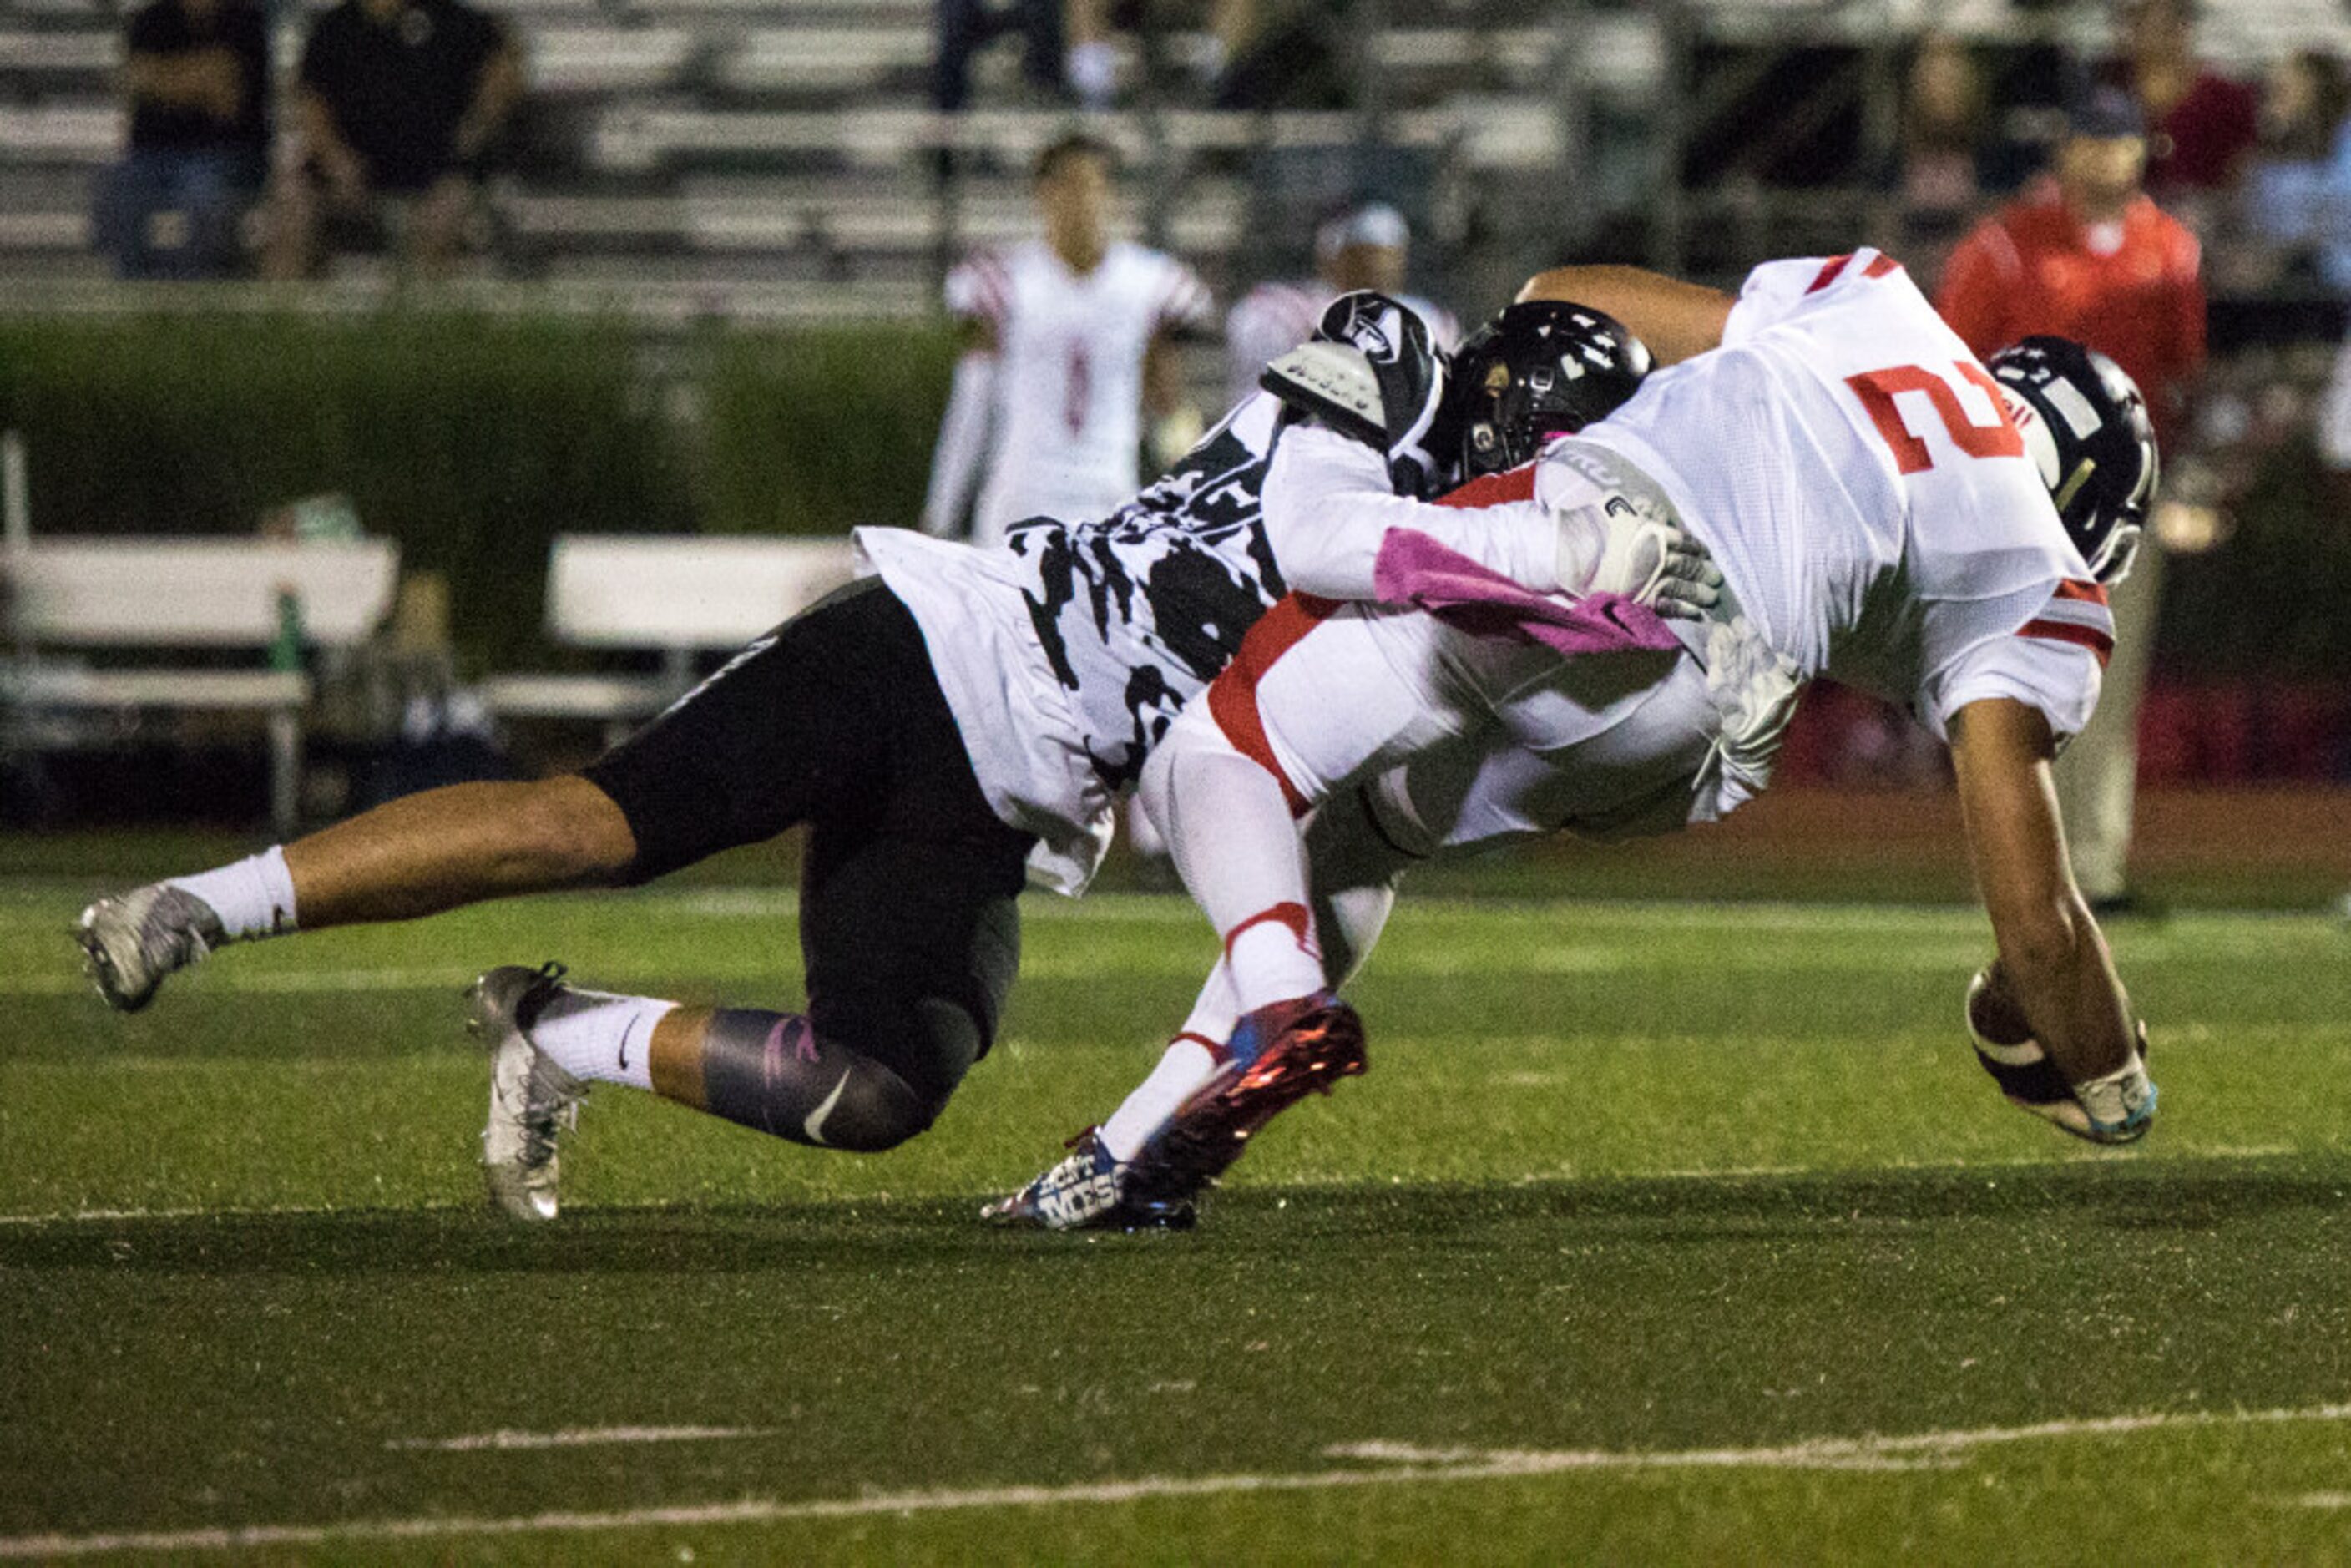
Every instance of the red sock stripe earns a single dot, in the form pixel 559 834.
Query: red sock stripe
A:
pixel 1294 915
pixel 1232 696
pixel 1217 1050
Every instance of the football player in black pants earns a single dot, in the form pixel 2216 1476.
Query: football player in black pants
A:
pixel 949 731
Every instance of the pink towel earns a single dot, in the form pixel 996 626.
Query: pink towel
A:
pixel 1414 568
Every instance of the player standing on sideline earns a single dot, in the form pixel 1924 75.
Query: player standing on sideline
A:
pixel 2086 254
pixel 953 729
pixel 1883 510
pixel 1073 337
pixel 1368 245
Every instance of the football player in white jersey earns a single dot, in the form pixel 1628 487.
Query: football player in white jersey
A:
pixel 1367 246
pixel 1884 510
pixel 951 730
pixel 1073 339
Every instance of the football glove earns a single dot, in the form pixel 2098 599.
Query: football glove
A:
pixel 2117 1108
pixel 1615 546
pixel 1371 373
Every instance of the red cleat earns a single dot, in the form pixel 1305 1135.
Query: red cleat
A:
pixel 1280 1054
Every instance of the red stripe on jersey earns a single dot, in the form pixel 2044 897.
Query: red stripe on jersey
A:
pixel 1833 268
pixel 1493 490
pixel 2089 637
pixel 2086 593
pixel 1232 696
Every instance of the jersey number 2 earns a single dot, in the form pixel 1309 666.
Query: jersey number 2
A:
pixel 1877 390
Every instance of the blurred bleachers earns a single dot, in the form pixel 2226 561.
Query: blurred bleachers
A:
pixel 765 157
pixel 782 156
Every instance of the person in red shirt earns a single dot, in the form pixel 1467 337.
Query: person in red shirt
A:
pixel 2086 253
pixel 2205 124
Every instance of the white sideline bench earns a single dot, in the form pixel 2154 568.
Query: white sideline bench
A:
pixel 154 594
pixel 679 596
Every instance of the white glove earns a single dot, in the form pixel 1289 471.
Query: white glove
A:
pixel 1616 547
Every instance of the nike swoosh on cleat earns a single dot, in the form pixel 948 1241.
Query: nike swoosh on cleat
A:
pixel 814 1125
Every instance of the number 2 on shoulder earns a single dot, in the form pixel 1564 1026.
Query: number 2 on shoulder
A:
pixel 1877 390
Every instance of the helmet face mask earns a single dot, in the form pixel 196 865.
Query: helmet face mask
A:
pixel 1538 369
pixel 2085 428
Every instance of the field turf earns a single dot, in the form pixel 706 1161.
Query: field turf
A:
pixel 1656 1233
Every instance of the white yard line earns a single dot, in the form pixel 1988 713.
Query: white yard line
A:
pixel 1400 1465
pixel 576 1437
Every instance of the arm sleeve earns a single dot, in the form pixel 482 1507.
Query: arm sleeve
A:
pixel 957 461
pixel 1327 510
pixel 1770 292
pixel 2059 677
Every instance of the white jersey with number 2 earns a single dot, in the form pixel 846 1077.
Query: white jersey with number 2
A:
pixel 1067 425
pixel 1854 471
pixel 1851 466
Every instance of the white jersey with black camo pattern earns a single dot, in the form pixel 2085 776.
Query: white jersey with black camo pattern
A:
pixel 1066 652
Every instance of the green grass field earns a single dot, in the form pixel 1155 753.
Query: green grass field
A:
pixel 1656 1233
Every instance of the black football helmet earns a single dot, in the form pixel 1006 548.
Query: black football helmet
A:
pixel 2085 426
pixel 1538 369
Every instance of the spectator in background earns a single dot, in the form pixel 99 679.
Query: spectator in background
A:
pixel 398 102
pixel 1071 337
pixel 2087 255
pixel 2298 192
pixel 1066 45
pixel 1233 28
pixel 197 77
pixel 1938 181
pixel 2204 125
pixel 967 26
pixel 1367 246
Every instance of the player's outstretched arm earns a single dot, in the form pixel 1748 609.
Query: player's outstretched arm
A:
pixel 960 458
pixel 1677 321
pixel 2057 968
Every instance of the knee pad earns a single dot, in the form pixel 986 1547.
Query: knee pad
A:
pixel 871 1109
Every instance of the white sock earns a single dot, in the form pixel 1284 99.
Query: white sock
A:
pixel 254 897
pixel 595 1034
pixel 1270 964
pixel 1185 1067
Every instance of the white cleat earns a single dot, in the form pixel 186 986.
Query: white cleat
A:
pixel 130 943
pixel 531 1098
